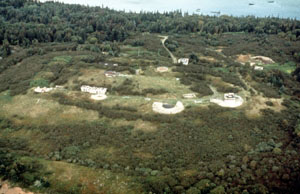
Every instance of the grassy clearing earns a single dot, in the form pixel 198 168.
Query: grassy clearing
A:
pixel 65 59
pixel 5 97
pixel 35 139
pixel 38 109
pixel 287 67
pixel 175 89
pixel 70 178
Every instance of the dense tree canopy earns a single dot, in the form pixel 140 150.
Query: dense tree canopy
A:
pixel 24 22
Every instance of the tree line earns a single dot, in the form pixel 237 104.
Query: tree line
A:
pixel 24 22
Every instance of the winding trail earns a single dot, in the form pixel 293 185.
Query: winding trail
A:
pixel 163 40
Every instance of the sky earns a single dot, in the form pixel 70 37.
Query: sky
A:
pixel 261 8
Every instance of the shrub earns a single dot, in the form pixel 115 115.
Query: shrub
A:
pixel 202 88
pixel 39 82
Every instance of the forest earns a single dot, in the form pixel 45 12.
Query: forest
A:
pixel 64 142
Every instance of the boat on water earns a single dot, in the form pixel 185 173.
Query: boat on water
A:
pixel 271 1
pixel 251 4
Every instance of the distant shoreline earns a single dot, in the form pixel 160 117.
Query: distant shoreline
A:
pixel 240 10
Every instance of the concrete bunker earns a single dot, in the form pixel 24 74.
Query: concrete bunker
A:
pixel 98 93
pixel 162 69
pixel 165 108
pixel 229 100
pixel 42 90
pixel 184 61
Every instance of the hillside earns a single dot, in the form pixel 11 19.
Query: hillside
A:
pixel 95 101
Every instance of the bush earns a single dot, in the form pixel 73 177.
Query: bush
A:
pixel 202 89
pixel 39 82
pixel 138 43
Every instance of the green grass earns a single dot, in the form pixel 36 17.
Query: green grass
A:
pixel 65 59
pixel 287 67
pixel 39 82
pixel 5 97
pixel 234 33
pixel 222 69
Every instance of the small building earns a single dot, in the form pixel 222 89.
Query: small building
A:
pixel 93 90
pixel 184 61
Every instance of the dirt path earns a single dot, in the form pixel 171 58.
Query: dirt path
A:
pixel 163 40
pixel 248 85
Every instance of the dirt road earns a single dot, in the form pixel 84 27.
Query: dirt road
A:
pixel 163 40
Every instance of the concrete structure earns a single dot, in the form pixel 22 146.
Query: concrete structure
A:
pixel 93 90
pixel 230 100
pixel 258 68
pixel 124 75
pixel 263 59
pixel 98 97
pixel 163 108
pixel 184 61
pixel 162 69
pixel 111 74
pixel 189 96
pixel 42 90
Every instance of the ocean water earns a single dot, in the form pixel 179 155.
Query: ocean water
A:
pixel 260 8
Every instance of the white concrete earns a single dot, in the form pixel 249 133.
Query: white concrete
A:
pixel 93 90
pixel 111 74
pixel 158 107
pixel 98 97
pixel 124 75
pixel 230 100
pixel 263 59
pixel 258 68
pixel 42 90
pixel 184 61
pixel 162 69
pixel 189 96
